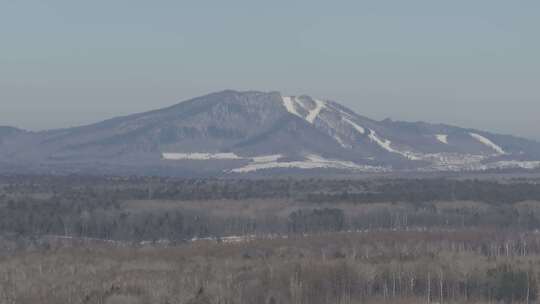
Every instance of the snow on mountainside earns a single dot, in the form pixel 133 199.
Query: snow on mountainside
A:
pixel 233 132
pixel 488 143
pixel 442 138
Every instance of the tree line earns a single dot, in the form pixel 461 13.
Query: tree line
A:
pixel 98 207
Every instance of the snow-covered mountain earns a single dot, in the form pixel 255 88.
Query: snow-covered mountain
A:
pixel 233 132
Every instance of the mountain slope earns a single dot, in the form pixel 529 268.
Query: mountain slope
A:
pixel 6 132
pixel 235 132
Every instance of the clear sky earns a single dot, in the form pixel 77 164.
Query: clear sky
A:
pixel 471 63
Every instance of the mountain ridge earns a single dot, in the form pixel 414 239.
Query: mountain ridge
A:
pixel 237 132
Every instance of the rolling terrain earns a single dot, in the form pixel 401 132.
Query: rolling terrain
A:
pixel 232 133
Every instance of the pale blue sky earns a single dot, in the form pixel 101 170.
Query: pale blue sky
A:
pixel 471 63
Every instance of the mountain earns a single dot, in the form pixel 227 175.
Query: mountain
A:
pixel 234 132
pixel 6 132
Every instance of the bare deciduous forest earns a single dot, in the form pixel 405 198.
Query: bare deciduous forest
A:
pixel 156 240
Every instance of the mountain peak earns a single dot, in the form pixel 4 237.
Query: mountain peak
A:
pixel 250 131
pixel 231 92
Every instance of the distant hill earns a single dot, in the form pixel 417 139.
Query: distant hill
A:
pixel 232 132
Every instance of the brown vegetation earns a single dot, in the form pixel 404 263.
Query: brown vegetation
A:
pixel 153 240
pixel 377 267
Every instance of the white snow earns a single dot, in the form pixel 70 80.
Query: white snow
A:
pixel 469 162
pixel 442 138
pixel 488 143
pixel 199 156
pixel 386 145
pixel 270 165
pixel 358 128
pixel 506 164
pixel 341 142
pixel 266 158
pixel 312 115
pixel 311 162
pixel 289 104
pixel 294 104
pixel 214 156
pixel 319 159
pixel 452 161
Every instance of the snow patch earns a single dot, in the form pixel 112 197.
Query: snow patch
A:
pixel 358 128
pixel 457 162
pixel 452 162
pixel 199 156
pixel 386 145
pixel 442 138
pixel 266 158
pixel 341 142
pixel 488 143
pixel 290 105
pixel 312 115
pixel 311 161
pixel 509 164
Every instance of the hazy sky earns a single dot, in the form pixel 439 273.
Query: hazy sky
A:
pixel 471 63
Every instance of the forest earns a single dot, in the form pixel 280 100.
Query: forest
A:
pixel 84 239
pixel 478 266
pixel 176 210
